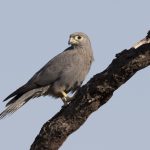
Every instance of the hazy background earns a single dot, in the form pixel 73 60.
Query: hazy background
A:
pixel 34 31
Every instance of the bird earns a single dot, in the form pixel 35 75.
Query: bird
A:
pixel 62 74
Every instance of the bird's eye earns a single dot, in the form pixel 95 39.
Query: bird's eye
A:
pixel 78 37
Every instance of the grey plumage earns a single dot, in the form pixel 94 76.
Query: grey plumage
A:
pixel 62 74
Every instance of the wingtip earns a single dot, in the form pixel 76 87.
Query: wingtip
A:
pixel 8 97
pixel 5 99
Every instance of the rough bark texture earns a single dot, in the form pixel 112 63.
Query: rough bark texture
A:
pixel 93 95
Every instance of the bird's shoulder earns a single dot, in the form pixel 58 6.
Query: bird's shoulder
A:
pixel 53 69
pixel 69 55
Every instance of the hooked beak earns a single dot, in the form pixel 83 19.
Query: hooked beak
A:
pixel 72 41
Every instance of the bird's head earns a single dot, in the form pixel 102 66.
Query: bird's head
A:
pixel 78 39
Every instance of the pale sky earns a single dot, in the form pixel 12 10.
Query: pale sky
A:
pixel 34 31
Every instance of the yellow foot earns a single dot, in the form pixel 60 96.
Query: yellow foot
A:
pixel 65 98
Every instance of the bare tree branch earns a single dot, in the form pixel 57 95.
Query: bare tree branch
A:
pixel 93 95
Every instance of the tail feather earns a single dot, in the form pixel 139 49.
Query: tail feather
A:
pixel 20 91
pixel 15 104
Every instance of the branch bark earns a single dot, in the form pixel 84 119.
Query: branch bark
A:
pixel 93 95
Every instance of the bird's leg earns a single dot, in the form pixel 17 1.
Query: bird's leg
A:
pixel 65 98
